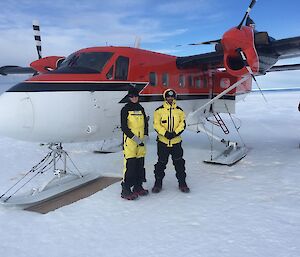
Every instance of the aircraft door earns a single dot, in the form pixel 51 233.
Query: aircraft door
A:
pixel 26 113
pixel 94 115
pixel 104 115
pixel 112 110
pixel 16 114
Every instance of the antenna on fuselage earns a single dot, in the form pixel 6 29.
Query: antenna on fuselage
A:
pixel 137 42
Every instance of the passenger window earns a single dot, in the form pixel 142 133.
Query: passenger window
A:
pixel 122 64
pixel 109 74
pixel 165 79
pixel 204 82
pixel 198 83
pixel 181 81
pixel 190 81
pixel 152 78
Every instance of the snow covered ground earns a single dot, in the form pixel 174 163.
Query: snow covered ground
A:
pixel 251 209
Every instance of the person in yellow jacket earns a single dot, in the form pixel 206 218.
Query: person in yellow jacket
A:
pixel 169 123
pixel 134 125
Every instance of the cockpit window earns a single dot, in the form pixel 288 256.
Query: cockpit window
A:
pixel 92 61
pixel 122 65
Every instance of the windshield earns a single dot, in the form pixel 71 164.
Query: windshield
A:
pixel 94 61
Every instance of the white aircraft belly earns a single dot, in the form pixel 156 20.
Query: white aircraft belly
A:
pixel 74 116
pixel 59 116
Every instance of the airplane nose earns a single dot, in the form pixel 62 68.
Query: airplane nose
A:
pixel 16 115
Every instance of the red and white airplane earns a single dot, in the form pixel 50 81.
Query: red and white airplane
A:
pixel 79 98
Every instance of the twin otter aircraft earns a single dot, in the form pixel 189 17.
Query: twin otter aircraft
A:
pixel 79 98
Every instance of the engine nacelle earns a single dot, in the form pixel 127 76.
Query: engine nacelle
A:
pixel 243 39
pixel 47 63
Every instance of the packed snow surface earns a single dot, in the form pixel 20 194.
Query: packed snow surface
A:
pixel 251 209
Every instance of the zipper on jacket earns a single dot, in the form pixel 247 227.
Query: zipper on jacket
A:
pixel 170 119
pixel 173 124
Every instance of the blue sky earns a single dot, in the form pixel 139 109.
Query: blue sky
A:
pixel 68 25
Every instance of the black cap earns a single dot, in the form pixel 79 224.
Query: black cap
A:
pixel 133 92
pixel 170 93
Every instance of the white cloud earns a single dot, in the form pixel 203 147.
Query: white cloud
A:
pixel 70 30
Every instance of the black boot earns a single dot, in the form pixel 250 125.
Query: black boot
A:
pixel 183 187
pixel 157 186
pixel 139 190
pixel 127 193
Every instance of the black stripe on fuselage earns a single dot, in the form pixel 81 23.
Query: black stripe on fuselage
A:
pixel 159 98
pixel 100 86
pixel 73 86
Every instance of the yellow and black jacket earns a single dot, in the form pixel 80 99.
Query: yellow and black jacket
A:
pixel 169 118
pixel 133 123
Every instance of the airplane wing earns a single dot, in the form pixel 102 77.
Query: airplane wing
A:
pixel 287 67
pixel 268 49
pixel 10 69
pixel 207 60
pixel 286 48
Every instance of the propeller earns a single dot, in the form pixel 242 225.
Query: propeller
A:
pixel 249 23
pixel 37 37
pixel 246 14
pixel 244 59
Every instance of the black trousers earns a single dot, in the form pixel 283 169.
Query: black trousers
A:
pixel 135 173
pixel 176 153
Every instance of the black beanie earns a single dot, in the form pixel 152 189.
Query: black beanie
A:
pixel 133 92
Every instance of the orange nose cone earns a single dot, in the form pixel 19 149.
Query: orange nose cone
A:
pixel 235 40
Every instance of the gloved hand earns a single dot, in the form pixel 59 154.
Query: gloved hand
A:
pixel 137 140
pixel 170 135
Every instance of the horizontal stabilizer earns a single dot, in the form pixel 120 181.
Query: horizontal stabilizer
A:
pixel 230 156
pixel 9 69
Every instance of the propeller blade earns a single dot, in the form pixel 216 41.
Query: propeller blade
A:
pixel 211 42
pixel 243 56
pixel 11 69
pixel 37 37
pixel 247 13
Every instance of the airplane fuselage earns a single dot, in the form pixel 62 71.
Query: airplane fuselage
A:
pixel 80 103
